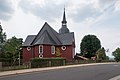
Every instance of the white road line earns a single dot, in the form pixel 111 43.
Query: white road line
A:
pixel 115 65
pixel 115 78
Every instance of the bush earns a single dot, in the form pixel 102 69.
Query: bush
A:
pixel 46 62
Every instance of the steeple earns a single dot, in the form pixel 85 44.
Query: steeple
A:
pixel 64 18
pixel 64 28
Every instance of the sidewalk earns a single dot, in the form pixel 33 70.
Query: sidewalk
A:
pixel 5 73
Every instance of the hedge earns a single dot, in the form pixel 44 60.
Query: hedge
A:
pixel 46 62
pixel 9 62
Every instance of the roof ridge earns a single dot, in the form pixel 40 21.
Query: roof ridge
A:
pixel 51 32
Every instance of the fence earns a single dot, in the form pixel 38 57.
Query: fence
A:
pixel 10 64
pixel 47 62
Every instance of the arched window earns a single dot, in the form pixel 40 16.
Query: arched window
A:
pixel 52 49
pixel 40 49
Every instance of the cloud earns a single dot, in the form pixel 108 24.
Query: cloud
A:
pixel 85 12
pixel 97 13
pixel 47 10
pixel 93 10
pixel 6 9
pixel 110 17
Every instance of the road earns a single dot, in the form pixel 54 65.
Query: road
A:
pixel 93 72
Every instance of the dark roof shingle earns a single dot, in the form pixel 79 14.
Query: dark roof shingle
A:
pixel 67 38
pixel 47 35
pixel 29 40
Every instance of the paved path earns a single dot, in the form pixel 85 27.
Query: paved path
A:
pixel 95 71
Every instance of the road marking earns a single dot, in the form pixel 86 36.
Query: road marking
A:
pixel 116 65
pixel 115 78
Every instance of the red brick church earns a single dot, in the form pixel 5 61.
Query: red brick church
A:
pixel 48 43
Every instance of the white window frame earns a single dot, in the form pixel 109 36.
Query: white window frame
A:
pixel 28 48
pixel 63 48
pixel 52 49
pixel 40 49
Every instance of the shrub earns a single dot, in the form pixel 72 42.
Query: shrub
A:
pixel 46 62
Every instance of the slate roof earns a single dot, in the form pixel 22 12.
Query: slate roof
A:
pixel 67 39
pixel 29 40
pixel 47 35
pixel 64 29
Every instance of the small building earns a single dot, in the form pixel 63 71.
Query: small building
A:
pixel 48 43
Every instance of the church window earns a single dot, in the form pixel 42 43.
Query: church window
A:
pixel 40 49
pixel 63 47
pixel 28 48
pixel 52 49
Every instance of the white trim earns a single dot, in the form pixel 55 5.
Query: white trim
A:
pixel 28 48
pixel 52 49
pixel 63 47
pixel 41 48
pixel 40 56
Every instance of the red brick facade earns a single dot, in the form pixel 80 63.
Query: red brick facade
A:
pixel 68 53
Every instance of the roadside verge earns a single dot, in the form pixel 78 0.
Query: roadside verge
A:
pixel 5 73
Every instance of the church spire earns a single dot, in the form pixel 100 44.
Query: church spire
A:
pixel 64 28
pixel 64 18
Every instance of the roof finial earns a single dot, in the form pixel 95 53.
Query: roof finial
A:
pixel 64 7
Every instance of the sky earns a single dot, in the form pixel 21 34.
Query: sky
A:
pixel 96 17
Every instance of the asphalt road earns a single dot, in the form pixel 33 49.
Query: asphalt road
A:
pixel 95 72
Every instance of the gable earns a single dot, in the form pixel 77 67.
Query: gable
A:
pixel 46 35
pixel 45 39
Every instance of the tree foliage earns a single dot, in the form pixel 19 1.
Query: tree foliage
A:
pixel 116 54
pixel 2 40
pixel 101 54
pixel 89 45
pixel 13 47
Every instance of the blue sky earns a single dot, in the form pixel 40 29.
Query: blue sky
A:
pixel 98 17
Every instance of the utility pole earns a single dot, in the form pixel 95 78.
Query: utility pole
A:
pixel 19 59
pixel 19 56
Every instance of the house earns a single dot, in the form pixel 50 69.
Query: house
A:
pixel 48 43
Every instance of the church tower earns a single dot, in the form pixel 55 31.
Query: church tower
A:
pixel 64 28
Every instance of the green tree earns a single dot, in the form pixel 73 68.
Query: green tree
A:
pixel 13 47
pixel 89 45
pixel 101 54
pixel 2 41
pixel 116 54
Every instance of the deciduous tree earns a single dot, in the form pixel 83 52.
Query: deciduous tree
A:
pixel 101 54
pixel 116 54
pixel 13 47
pixel 2 40
pixel 89 45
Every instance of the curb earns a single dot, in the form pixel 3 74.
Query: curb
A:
pixel 43 69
